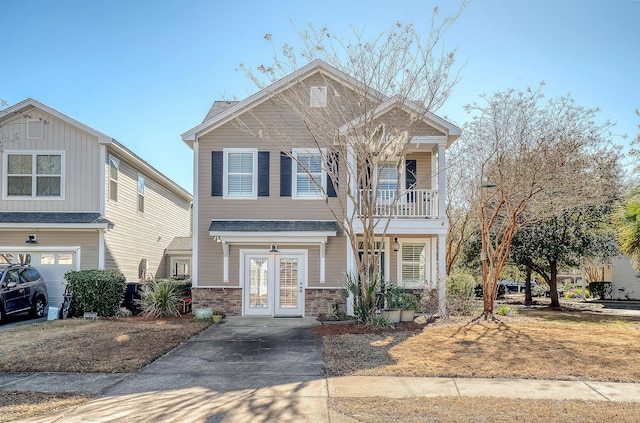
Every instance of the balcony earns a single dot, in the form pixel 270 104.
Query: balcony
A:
pixel 405 204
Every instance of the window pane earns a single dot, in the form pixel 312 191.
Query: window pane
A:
pixel 388 177
pixel 48 165
pixel 240 174
pixel 308 181
pixel 19 164
pixel 19 185
pixel 6 258
pixel 141 185
pixel 47 259
pixel 48 186
pixel 113 170
pixel 65 258
pixel 240 162
pixel 414 263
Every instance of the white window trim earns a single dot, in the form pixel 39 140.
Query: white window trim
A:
pixel 294 174
pixel 116 162
pixel 33 196
pixel 225 178
pixel 427 272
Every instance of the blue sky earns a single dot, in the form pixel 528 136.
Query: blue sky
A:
pixel 145 71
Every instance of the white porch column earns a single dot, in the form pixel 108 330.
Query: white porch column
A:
pixel 323 245
pixel 225 263
pixel 351 270
pixel 442 181
pixel 353 189
pixel 442 287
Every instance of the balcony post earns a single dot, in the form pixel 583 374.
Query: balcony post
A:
pixel 442 181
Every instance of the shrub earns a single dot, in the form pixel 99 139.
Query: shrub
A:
pixel 100 291
pixel 505 310
pixel 429 301
pixel 363 306
pixel 161 298
pixel 460 294
pixel 408 301
pixel 602 290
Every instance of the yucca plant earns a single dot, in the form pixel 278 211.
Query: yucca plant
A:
pixel 160 298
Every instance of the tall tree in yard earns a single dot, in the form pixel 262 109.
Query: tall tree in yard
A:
pixel 627 217
pixel 568 239
pixel 398 79
pixel 529 160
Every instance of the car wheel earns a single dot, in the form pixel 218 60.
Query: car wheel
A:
pixel 38 307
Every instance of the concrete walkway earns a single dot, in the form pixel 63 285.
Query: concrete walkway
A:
pixel 261 370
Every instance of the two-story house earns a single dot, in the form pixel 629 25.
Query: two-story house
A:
pixel 264 240
pixel 73 198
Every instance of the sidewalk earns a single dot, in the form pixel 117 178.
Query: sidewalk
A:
pixel 266 370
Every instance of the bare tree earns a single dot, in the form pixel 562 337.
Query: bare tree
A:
pixel 390 84
pixel 530 159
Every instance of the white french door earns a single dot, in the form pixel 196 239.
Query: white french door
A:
pixel 274 284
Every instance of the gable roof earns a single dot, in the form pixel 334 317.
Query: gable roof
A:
pixel 222 112
pixel 451 131
pixel 28 104
pixel 238 108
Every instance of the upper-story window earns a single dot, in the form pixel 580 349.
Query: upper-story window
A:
pixel 34 175
pixel 387 180
pixel 240 176
pixel 309 177
pixel 114 171
pixel 141 193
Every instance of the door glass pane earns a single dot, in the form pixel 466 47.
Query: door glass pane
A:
pixel 65 258
pixel 258 273
pixel 6 258
pixel 47 258
pixel 288 283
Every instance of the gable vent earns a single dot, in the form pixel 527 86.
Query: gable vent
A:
pixel 318 97
pixel 35 129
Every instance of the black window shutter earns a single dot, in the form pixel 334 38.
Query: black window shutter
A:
pixel 217 171
pixel 410 178
pixel 263 173
pixel 333 165
pixel 285 175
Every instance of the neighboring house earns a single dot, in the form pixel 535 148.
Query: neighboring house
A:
pixel 625 280
pixel 73 198
pixel 265 244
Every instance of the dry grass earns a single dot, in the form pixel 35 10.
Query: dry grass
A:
pixel 559 345
pixel 472 410
pixel 108 346
pixel 19 405
pixel 77 345
pixel 542 345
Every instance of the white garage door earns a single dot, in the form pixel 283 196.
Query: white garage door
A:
pixel 51 264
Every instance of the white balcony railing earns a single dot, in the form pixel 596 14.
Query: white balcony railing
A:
pixel 406 204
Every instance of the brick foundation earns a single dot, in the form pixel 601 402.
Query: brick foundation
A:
pixel 229 300
pixel 320 301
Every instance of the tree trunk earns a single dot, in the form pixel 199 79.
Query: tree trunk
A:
pixel 553 284
pixel 527 288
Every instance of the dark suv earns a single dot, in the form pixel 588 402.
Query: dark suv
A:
pixel 22 288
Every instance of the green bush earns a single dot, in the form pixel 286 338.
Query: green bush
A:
pixel 100 291
pixel 365 306
pixel 602 290
pixel 504 310
pixel 460 294
pixel 408 301
pixel 161 298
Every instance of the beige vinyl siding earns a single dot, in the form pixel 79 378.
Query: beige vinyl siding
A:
pixel 135 235
pixel 81 158
pixel 423 167
pixel 87 240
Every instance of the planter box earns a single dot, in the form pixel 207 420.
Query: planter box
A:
pixel 393 316
pixel 203 313
pixel 407 315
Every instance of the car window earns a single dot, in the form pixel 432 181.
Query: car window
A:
pixel 30 275
pixel 12 276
